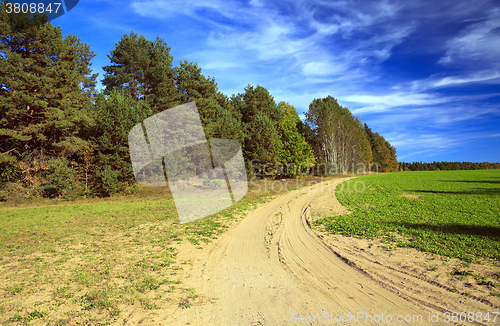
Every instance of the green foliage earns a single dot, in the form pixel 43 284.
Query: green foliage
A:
pixel 29 317
pixel 259 116
pixel 85 166
pixel 144 69
pixel 109 183
pixel 384 155
pixel 46 85
pixel 61 180
pixel 114 117
pixel 256 100
pixel 456 215
pixel 337 137
pixel 9 169
pixel 294 150
pixel 218 116
pixel 442 166
pixel 263 146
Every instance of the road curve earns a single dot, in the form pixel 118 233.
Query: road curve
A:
pixel 272 269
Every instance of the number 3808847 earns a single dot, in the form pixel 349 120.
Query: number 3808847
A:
pixel 32 8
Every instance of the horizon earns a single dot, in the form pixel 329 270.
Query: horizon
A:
pixel 423 75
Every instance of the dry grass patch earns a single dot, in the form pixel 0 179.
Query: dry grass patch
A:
pixel 99 261
pixel 404 194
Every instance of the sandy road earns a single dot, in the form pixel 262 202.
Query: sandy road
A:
pixel 272 269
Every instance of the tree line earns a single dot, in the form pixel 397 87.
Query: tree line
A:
pixel 443 166
pixel 62 137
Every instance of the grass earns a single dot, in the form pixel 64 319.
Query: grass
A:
pixel 93 260
pixel 28 317
pixel 450 213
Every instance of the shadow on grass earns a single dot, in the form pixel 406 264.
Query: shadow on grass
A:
pixel 475 181
pixel 473 191
pixel 491 232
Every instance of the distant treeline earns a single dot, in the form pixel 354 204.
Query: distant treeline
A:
pixel 61 137
pixel 442 166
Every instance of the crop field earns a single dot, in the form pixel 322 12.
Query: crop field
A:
pixel 450 213
pixel 92 261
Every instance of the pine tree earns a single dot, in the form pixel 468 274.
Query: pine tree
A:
pixel 365 149
pixel 218 116
pixel 46 84
pixel 384 154
pixel 256 100
pixel 144 69
pixel 115 115
pixel 259 116
pixel 263 145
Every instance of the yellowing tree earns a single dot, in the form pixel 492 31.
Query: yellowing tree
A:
pixel 85 166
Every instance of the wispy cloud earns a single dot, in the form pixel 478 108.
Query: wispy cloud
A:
pixel 474 78
pixel 438 140
pixel 422 72
pixel 479 43
pixel 463 78
pixel 167 9
pixel 260 33
pixel 380 103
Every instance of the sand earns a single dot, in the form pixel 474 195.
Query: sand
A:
pixel 271 268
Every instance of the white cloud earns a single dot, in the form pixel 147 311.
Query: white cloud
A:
pixel 271 36
pixel 311 55
pixel 416 141
pixel 256 3
pixel 435 141
pixel 402 157
pixel 324 68
pixel 462 79
pixel 473 78
pixel 170 8
pixel 439 116
pixel 379 103
pixel 480 42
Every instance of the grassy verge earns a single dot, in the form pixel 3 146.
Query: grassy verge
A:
pixel 93 261
pixel 450 213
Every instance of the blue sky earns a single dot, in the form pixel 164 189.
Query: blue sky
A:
pixel 424 74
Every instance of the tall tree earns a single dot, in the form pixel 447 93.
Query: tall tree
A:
pixel 365 149
pixel 259 116
pixel 85 167
pixel 219 117
pixel 45 85
pixel 336 133
pixel 294 150
pixel 115 115
pixel 263 145
pixel 144 69
pixel 256 100
pixel 384 155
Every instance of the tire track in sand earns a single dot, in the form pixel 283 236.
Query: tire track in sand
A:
pixel 272 267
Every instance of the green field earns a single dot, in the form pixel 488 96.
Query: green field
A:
pixel 451 213
pixel 92 261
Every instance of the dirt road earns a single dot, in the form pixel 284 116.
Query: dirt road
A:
pixel 272 269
